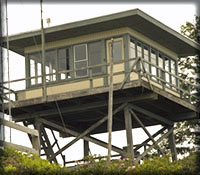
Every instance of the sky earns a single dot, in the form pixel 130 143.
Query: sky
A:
pixel 24 17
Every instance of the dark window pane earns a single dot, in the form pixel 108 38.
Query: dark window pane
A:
pixel 80 52
pixel 117 51
pixel 63 62
pixel 95 56
pixel 36 56
pixel 62 59
pixel 79 65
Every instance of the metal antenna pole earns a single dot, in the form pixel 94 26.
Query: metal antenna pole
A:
pixel 8 62
pixel 44 92
pixel 2 132
pixel 110 104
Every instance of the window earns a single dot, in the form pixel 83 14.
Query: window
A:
pixel 81 60
pixel 139 50
pixel 161 65
pixel 117 51
pixel 63 62
pixel 173 71
pixel 167 76
pixel 95 56
pixel 50 65
pixel 35 68
pixel 132 53
pixel 146 58
pixel 158 61
pixel 153 61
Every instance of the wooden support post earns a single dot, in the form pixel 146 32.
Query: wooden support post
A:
pixel 128 126
pixel 172 144
pixel 36 142
pixel 110 103
pixel 86 148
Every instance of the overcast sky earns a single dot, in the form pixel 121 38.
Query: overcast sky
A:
pixel 24 17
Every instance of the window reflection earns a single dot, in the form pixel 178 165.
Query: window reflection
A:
pixel 95 56
pixel 81 60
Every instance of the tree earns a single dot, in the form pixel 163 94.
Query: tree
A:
pixel 186 136
pixel 190 66
pixel 185 133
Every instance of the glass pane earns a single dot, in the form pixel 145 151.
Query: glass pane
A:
pixel 32 71
pixel 51 64
pixel 95 56
pixel 36 56
pixel 153 61
pixel 146 57
pixel 167 69
pixel 80 52
pixel 39 72
pixel 132 53
pixel 139 50
pixel 63 62
pixel 160 64
pixel 62 59
pixel 173 71
pixel 117 51
pixel 35 67
pixel 79 65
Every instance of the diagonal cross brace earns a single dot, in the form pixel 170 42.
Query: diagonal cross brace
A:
pixel 145 130
pixel 147 76
pixel 147 140
pixel 125 79
pixel 88 138
pixel 87 131
pixel 152 146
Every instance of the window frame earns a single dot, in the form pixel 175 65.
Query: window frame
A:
pixel 85 44
pixel 157 52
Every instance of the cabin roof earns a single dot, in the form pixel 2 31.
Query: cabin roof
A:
pixel 135 19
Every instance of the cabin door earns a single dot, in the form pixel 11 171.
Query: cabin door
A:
pixel 118 59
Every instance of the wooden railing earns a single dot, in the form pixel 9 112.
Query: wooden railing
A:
pixel 182 87
pixel 32 132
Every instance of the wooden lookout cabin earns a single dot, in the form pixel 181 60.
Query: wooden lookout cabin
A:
pixel 68 93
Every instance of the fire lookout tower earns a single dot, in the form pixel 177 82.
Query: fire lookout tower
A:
pixel 68 93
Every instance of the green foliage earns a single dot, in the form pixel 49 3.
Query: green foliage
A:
pixel 189 70
pixel 16 163
pixel 190 163
pixel 191 30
